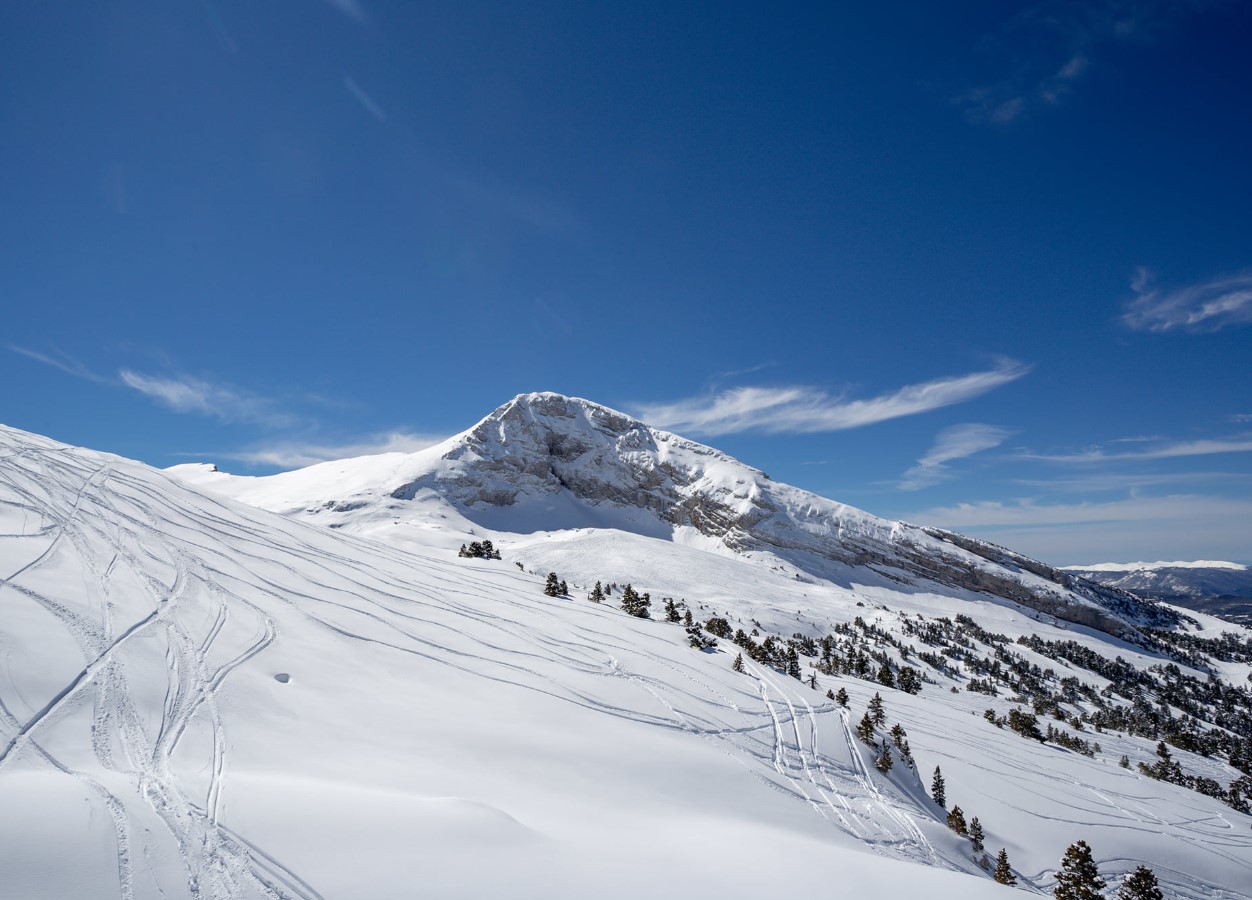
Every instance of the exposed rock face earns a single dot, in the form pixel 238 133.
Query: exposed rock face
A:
pixel 544 445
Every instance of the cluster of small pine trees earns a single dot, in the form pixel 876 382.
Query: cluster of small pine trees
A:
pixel 1079 879
pixel 1002 871
pixel 555 587
pixel 479 550
pixel 636 604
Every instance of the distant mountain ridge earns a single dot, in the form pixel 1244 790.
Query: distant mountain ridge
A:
pixel 544 461
pixel 1212 586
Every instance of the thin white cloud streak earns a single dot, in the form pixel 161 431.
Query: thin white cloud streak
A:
pixel 1106 482
pixel 809 410
pixel 1046 49
pixel 183 393
pixel 1028 513
pixel 951 444
pixel 367 102
pixel 61 361
pixel 1239 444
pixel 1199 308
pixel 1185 526
pixel 297 454
pixel 350 8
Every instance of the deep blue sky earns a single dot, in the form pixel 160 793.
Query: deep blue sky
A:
pixel 988 269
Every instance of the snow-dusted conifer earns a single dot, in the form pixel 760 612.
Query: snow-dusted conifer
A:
pixel 884 760
pixel 938 789
pixel 976 834
pixel 1003 873
pixel 1079 877
pixel 876 710
pixel 885 676
pixel 1140 884
pixel 865 729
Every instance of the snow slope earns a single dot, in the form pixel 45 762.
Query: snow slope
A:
pixel 442 728
pixel 545 462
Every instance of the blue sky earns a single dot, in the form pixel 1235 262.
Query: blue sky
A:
pixel 990 269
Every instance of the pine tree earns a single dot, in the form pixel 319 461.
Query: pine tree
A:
pixel 1079 878
pixel 938 789
pixel 842 697
pixel 865 729
pixel 597 594
pixel 687 620
pixel 956 821
pixel 737 665
pixel 552 587
pixel 793 663
pixel 636 604
pixel 830 695
pixel 1124 762
pixel 883 763
pixel 671 610
pixel 885 677
pixel 976 834
pixel 876 709
pixel 1003 874
pixel 563 588
pixel 1140 885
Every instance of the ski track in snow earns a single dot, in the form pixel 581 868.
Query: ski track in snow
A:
pixel 218 863
pixel 213 594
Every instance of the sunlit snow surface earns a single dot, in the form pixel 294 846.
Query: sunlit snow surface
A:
pixel 446 730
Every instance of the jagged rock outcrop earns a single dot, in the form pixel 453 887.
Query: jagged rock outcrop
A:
pixel 544 445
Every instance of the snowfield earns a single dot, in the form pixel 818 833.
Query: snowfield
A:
pixel 202 699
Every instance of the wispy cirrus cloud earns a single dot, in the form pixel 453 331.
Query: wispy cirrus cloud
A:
pixel 179 392
pixel 350 8
pixel 1172 450
pixel 1131 483
pixel 368 103
pixel 297 454
pixel 1037 57
pixel 1175 526
pixel 62 361
pixel 951 444
pixel 809 410
pixel 1205 307
pixel 188 394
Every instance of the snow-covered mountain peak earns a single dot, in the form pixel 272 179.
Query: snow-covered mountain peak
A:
pixel 540 445
pixel 544 463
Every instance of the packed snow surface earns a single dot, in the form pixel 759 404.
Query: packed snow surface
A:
pixel 200 699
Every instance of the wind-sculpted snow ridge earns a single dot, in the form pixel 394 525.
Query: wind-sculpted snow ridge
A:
pixel 203 700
